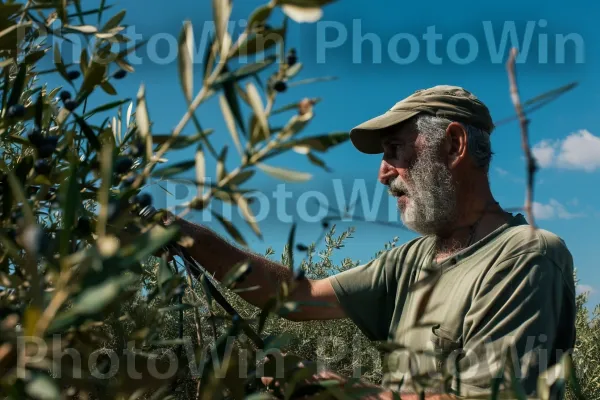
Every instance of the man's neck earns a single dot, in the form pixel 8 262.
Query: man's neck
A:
pixel 479 215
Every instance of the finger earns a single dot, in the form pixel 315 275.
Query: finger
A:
pixel 266 380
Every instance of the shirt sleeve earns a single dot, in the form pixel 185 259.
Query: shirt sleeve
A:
pixel 367 294
pixel 519 318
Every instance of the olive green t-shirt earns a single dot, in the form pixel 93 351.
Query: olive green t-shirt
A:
pixel 511 292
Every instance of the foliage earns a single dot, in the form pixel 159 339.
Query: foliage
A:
pixel 586 355
pixel 76 263
pixel 84 288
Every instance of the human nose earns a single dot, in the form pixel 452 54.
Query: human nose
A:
pixel 386 173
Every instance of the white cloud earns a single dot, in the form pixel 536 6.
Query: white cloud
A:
pixel 542 211
pixel 553 209
pixel 585 288
pixel 580 150
pixel 543 153
pixel 501 171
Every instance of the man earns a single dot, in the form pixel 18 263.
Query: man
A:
pixel 490 288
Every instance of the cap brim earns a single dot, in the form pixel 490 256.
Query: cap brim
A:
pixel 366 137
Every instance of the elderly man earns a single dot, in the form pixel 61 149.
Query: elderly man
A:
pixel 492 292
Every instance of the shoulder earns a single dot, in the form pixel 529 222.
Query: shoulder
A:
pixel 523 239
pixel 521 247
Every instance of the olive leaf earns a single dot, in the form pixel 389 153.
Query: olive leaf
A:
pixel 229 121
pixel 143 121
pixel 284 174
pixel 186 71
pixel 258 109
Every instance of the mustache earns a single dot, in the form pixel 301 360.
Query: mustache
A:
pixel 397 188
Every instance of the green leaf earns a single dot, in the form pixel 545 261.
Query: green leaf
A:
pixel 39 110
pixel 163 273
pixel 317 161
pixel 35 56
pixel 106 174
pixel 94 75
pixel 293 70
pixel 105 107
pixel 249 217
pixel 146 245
pixel 83 61
pixel 42 387
pixel 80 28
pixel 302 14
pixel 292 106
pixel 143 121
pixel 18 139
pixel 200 169
pixel 284 174
pixel 235 273
pixel 71 206
pixel 229 121
pixel 88 132
pixel 186 71
pixel 18 85
pixel 222 12
pixel 244 72
pixel 229 91
pixel 242 177
pixel 173 169
pixel 114 21
pixel 208 59
pixel 260 42
pixel 16 188
pixel 230 228
pixel 95 299
pixel 13 35
pixel 221 164
pixel 259 16
pixel 181 141
pixel 108 88
pixel 258 109
pixel 320 143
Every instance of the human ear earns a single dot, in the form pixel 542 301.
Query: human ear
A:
pixel 456 144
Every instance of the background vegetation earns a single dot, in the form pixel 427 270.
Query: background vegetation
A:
pixel 71 184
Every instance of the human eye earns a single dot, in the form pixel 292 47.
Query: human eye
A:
pixel 393 149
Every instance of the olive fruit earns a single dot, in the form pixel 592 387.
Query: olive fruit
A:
pixel 16 111
pixel 42 167
pixel 72 75
pixel 280 86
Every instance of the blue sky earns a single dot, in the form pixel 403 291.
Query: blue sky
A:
pixel 566 133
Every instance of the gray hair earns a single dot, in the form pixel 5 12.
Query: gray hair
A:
pixel 478 140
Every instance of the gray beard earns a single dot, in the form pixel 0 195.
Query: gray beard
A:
pixel 431 207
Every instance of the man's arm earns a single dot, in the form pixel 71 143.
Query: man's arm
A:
pixel 392 396
pixel 218 256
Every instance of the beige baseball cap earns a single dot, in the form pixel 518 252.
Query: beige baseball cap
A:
pixel 452 102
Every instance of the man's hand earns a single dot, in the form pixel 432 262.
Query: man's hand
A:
pixel 311 380
pixel 371 391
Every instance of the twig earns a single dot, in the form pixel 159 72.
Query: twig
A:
pixel 524 123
